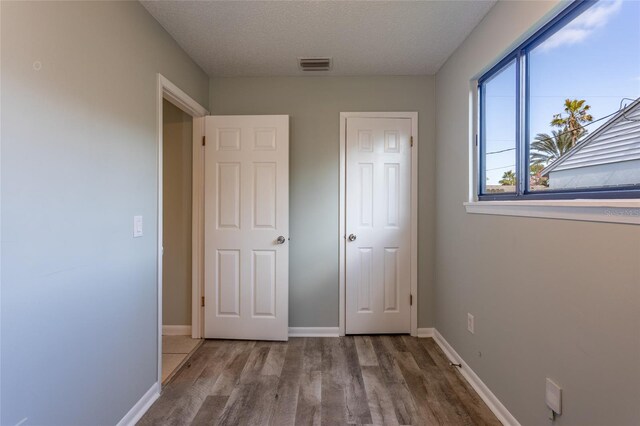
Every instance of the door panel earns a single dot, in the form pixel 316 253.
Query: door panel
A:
pixel 228 196
pixel 391 284
pixel 378 214
pixel 264 195
pixel 246 210
pixel 364 279
pixel 228 273
pixel 264 283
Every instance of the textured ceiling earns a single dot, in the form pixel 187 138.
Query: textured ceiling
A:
pixel 265 38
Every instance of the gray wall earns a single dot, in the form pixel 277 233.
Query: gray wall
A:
pixel 550 298
pixel 314 104
pixel 176 227
pixel 79 160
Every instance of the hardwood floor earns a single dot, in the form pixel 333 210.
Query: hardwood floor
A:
pixel 380 380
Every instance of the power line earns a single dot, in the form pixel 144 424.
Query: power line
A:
pixel 502 150
pixel 498 168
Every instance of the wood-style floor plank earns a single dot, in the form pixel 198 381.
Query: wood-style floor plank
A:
pixel 366 354
pixel 309 392
pixel 468 397
pixel 444 401
pixel 332 397
pixel 380 400
pixel 189 403
pixel 355 393
pixel 284 412
pixel 251 403
pixel 179 389
pixel 230 375
pixel 406 412
pixel 426 395
pixel 379 380
pixel 210 410
pixel 275 359
pixel 308 408
pixel 255 363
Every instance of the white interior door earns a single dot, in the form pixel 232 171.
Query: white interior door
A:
pixel 378 225
pixel 246 227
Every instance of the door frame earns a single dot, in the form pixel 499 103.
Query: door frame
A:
pixel 342 218
pixel 172 93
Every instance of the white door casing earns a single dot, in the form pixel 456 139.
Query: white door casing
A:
pixel 246 211
pixel 379 216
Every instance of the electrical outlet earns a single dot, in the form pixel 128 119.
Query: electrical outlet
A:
pixel 553 396
pixel 471 323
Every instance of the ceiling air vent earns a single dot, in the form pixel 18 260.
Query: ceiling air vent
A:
pixel 314 64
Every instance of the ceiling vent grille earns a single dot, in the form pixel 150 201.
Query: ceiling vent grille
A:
pixel 314 64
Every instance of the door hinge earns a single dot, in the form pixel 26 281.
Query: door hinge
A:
pixel 412 141
pixel 476 139
pixel 204 140
pixel 202 301
pixel 411 300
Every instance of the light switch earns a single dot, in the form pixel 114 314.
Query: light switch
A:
pixel 137 226
pixel 554 397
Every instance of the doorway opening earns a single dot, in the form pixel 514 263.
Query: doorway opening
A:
pixel 180 269
pixel 177 189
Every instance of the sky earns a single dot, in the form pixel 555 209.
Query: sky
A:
pixel 595 57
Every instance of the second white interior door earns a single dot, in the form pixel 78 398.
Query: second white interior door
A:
pixel 378 225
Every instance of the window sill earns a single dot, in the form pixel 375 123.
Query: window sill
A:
pixel 610 211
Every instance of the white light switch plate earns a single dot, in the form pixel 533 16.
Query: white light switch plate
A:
pixel 553 396
pixel 137 226
pixel 471 324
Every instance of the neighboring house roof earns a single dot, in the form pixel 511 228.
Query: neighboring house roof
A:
pixel 615 141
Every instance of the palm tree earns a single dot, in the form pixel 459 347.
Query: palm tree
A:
pixel 546 149
pixel 508 178
pixel 577 114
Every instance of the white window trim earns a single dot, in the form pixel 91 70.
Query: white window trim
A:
pixel 609 211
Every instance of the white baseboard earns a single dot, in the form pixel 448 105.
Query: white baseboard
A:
pixel 314 331
pixel 425 332
pixel 485 393
pixel 176 330
pixel 141 407
pixel 335 332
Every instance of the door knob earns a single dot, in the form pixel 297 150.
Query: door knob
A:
pixel 280 240
pixel 352 237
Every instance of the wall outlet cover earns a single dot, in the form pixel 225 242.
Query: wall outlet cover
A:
pixel 471 326
pixel 553 396
pixel 137 226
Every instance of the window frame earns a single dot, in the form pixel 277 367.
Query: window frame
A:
pixel 522 138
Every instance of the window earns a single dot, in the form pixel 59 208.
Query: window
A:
pixel 560 116
pixel 499 131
